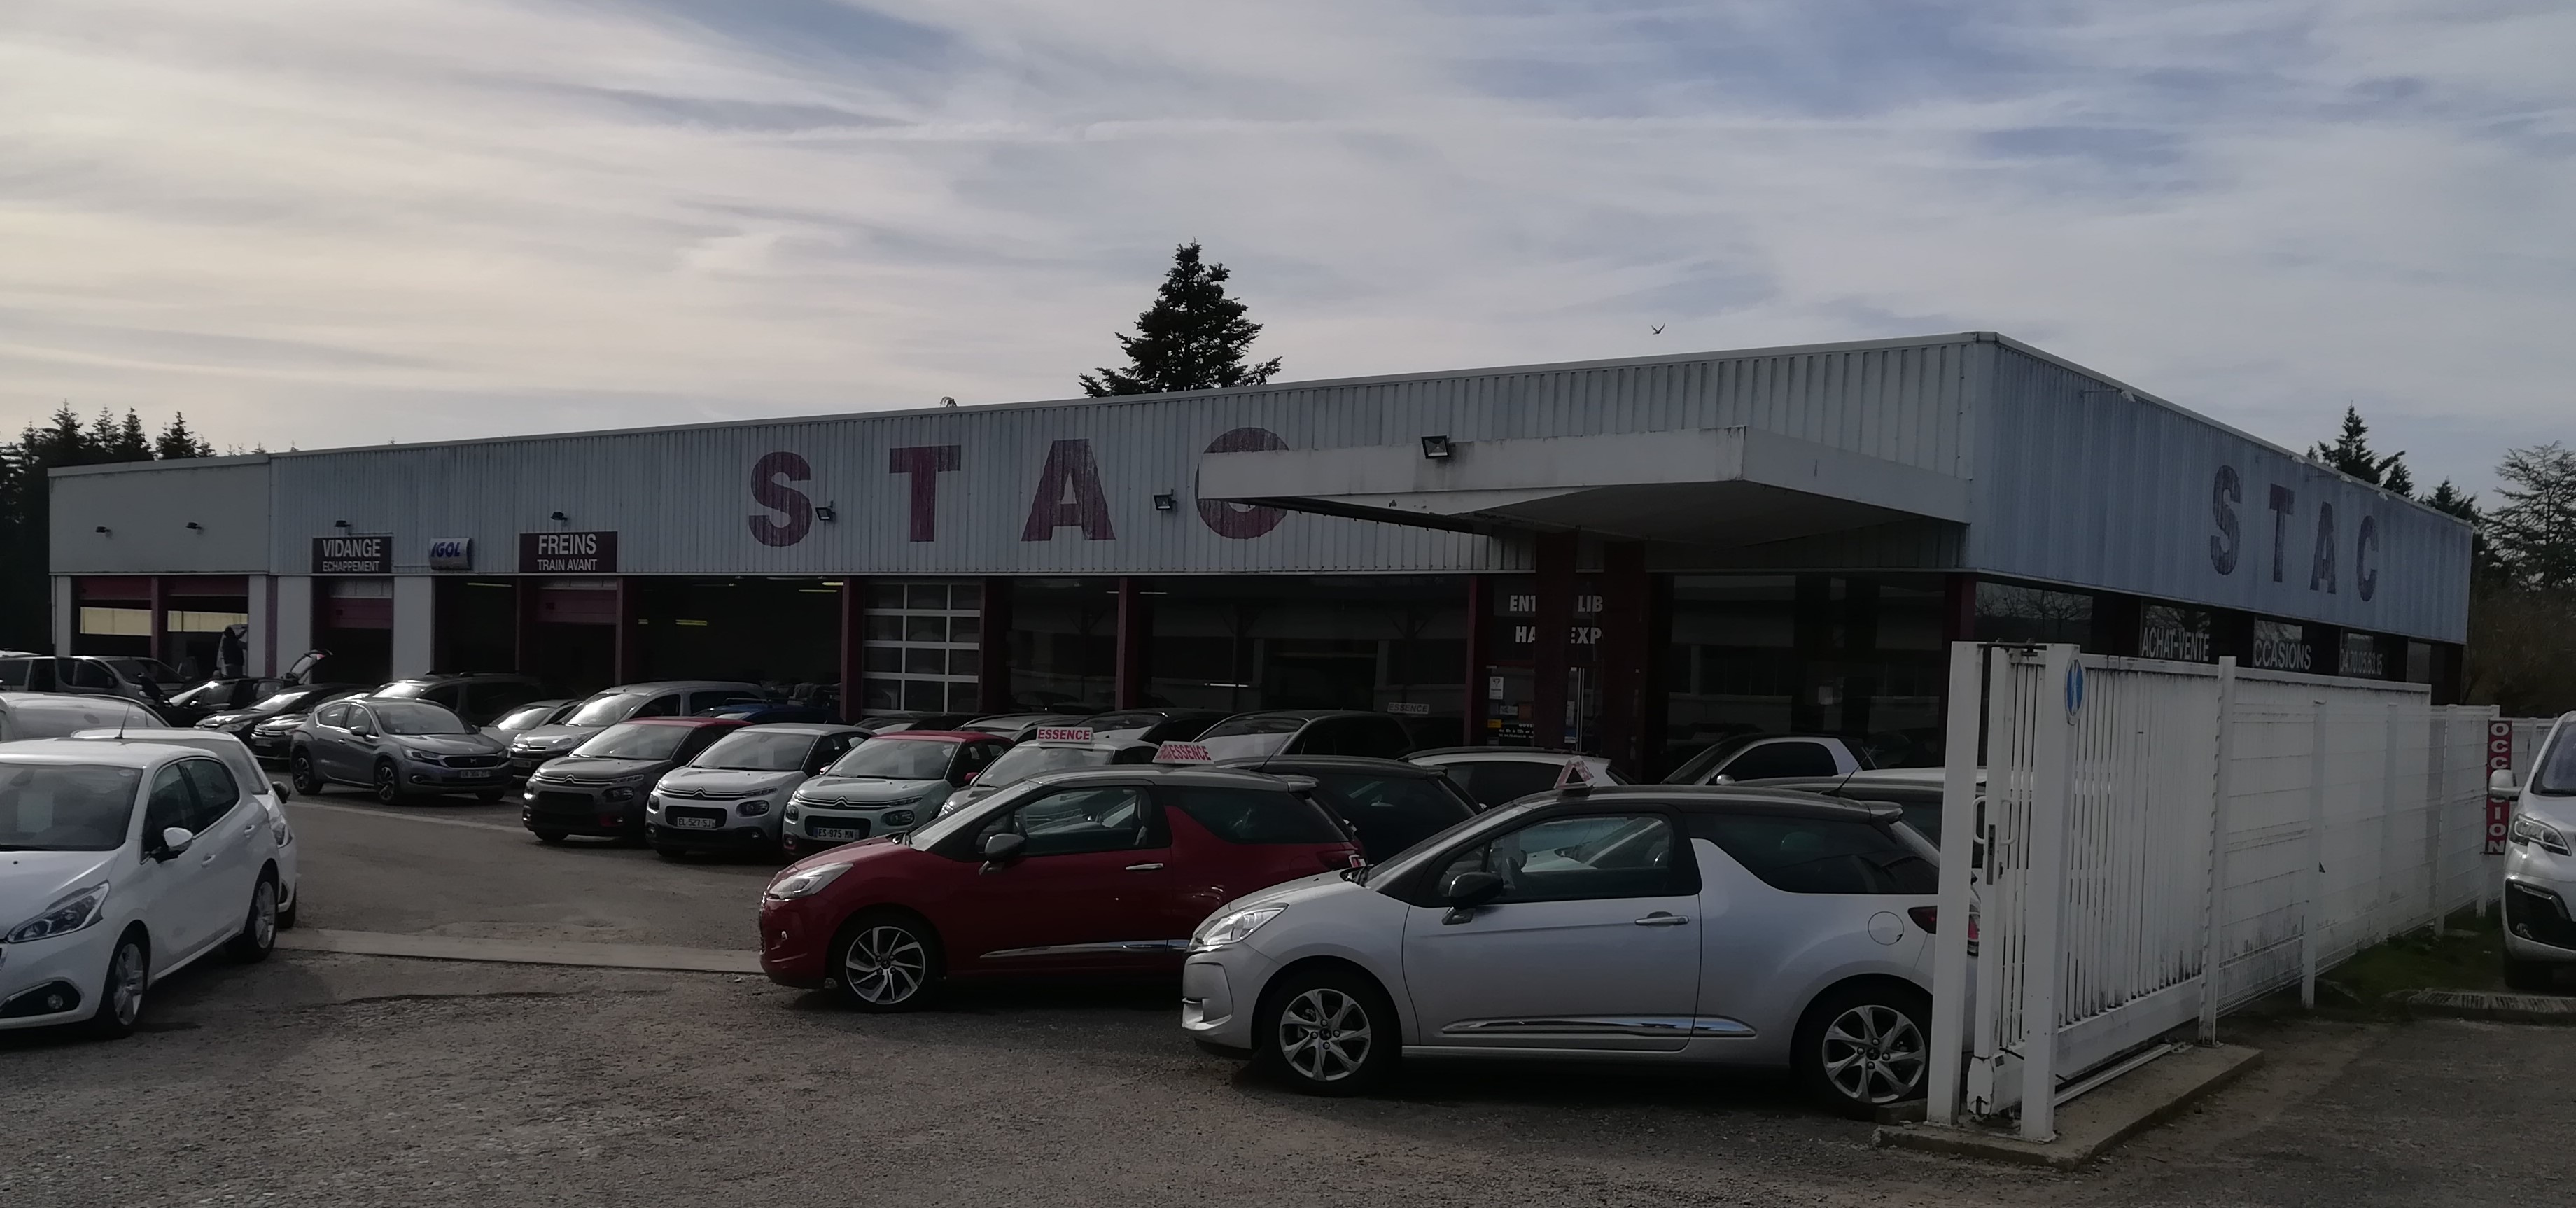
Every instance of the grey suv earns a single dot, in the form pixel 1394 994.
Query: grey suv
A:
pixel 626 702
pixel 396 748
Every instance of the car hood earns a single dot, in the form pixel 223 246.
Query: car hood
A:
pixel 561 738
pixel 728 782
pixel 230 717
pixel 448 744
pixel 1291 893
pixel 602 769
pixel 33 880
pixel 877 851
pixel 862 790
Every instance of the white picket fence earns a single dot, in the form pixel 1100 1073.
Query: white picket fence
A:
pixel 2156 842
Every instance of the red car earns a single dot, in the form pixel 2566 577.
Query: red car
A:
pixel 1086 872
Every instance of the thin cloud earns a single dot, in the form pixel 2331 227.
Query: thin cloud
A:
pixel 307 223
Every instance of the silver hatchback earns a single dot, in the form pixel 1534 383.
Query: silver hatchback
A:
pixel 1706 926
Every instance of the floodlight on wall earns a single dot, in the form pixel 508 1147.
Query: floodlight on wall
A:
pixel 827 513
pixel 195 527
pixel 559 517
pixel 102 528
pixel 1436 448
pixel 339 524
pixel 1165 501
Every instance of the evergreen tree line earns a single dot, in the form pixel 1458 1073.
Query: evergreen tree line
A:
pixel 25 598
pixel 2522 566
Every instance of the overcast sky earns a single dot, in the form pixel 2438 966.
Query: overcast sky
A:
pixel 321 222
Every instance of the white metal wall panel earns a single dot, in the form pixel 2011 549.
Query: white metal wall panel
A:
pixel 682 500
pixel 2088 483
pixel 147 507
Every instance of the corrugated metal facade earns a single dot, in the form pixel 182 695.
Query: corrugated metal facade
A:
pixel 683 500
pixel 2090 483
pixel 2072 483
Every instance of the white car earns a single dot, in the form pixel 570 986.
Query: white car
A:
pixel 1500 775
pixel 121 862
pixel 253 780
pixel 1771 757
pixel 25 715
pixel 1699 926
pixel 2540 863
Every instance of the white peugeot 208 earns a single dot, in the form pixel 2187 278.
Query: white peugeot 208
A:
pixel 121 862
pixel 1659 923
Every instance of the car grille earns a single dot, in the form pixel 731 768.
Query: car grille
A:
pixel 564 803
pixel 672 814
pixel 691 794
pixel 475 761
pixel 588 782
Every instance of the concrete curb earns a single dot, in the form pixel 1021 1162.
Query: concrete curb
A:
pixel 2502 1008
pixel 521 952
pixel 2094 1123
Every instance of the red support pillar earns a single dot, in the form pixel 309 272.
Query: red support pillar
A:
pixel 854 643
pixel 1480 623
pixel 630 638
pixel 1624 644
pixel 160 620
pixel 1553 562
pixel 1135 632
pixel 994 662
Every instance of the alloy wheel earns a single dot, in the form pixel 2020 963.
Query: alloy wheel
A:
pixel 263 914
pixel 1324 1035
pixel 125 976
pixel 1873 1054
pixel 886 965
pixel 388 783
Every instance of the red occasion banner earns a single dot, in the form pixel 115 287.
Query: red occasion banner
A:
pixel 2499 809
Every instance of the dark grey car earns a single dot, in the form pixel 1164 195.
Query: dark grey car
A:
pixel 395 748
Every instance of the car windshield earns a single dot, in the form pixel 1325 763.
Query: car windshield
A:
pixel 2556 776
pixel 1021 762
pixel 607 710
pixel 1697 769
pixel 895 759
pixel 65 807
pixel 757 751
pixel 289 700
pixel 406 690
pixel 206 692
pixel 1392 813
pixel 526 717
pixel 634 740
pixel 144 669
pixel 416 717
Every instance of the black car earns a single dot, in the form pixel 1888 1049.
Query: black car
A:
pixel 1308 732
pixel 292 700
pixel 1389 803
pixel 1156 724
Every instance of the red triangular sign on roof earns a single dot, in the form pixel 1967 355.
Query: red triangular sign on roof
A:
pixel 1577 774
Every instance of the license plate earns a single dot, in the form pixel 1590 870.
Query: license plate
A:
pixel 837 834
pixel 475 774
pixel 694 823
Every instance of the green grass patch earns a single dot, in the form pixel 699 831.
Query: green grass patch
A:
pixel 2469 955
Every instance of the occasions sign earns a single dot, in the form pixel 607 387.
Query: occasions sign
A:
pixel 2499 809
pixel 353 555
pixel 571 553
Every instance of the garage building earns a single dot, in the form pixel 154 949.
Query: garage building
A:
pixel 1635 557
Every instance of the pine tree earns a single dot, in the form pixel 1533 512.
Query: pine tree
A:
pixel 177 441
pixel 2350 452
pixel 2448 499
pixel 1194 337
pixel 131 444
pixel 2535 528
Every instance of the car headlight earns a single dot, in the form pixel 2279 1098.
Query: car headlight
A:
pixel 428 757
pixel 278 830
pixel 1232 928
pixel 69 913
pixel 2527 829
pixel 807 883
pixel 623 792
pixel 752 809
pixel 790 813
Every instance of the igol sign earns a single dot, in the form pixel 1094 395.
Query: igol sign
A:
pixel 451 553
pixel 574 553
pixel 355 555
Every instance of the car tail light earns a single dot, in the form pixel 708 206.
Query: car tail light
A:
pixel 1926 917
pixel 1342 858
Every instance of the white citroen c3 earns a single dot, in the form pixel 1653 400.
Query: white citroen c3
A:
pixel 121 862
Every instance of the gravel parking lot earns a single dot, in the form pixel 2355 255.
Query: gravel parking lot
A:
pixel 331 1079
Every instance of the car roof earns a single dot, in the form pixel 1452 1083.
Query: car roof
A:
pixel 816 728
pixel 691 722
pixel 1306 764
pixel 1181 773
pixel 1848 787
pixel 667 685
pixel 1724 799
pixel 1499 753
pixel 938 735
pixel 447 677
pixel 131 754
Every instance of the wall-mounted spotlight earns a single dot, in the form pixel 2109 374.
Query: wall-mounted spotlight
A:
pixel 193 526
pixel 1166 501
pixel 102 528
pixel 1436 448
pixel 827 513
pixel 339 524
pixel 559 517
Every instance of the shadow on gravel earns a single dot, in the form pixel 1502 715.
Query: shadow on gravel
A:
pixel 179 1002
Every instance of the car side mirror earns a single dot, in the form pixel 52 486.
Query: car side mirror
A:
pixel 362 729
pixel 2501 783
pixel 1002 849
pixel 175 841
pixel 1471 889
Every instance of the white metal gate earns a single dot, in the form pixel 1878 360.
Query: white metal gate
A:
pixel 2151 842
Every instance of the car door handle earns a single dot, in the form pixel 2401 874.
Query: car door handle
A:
pixel 1663 919
pixel 1143 867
